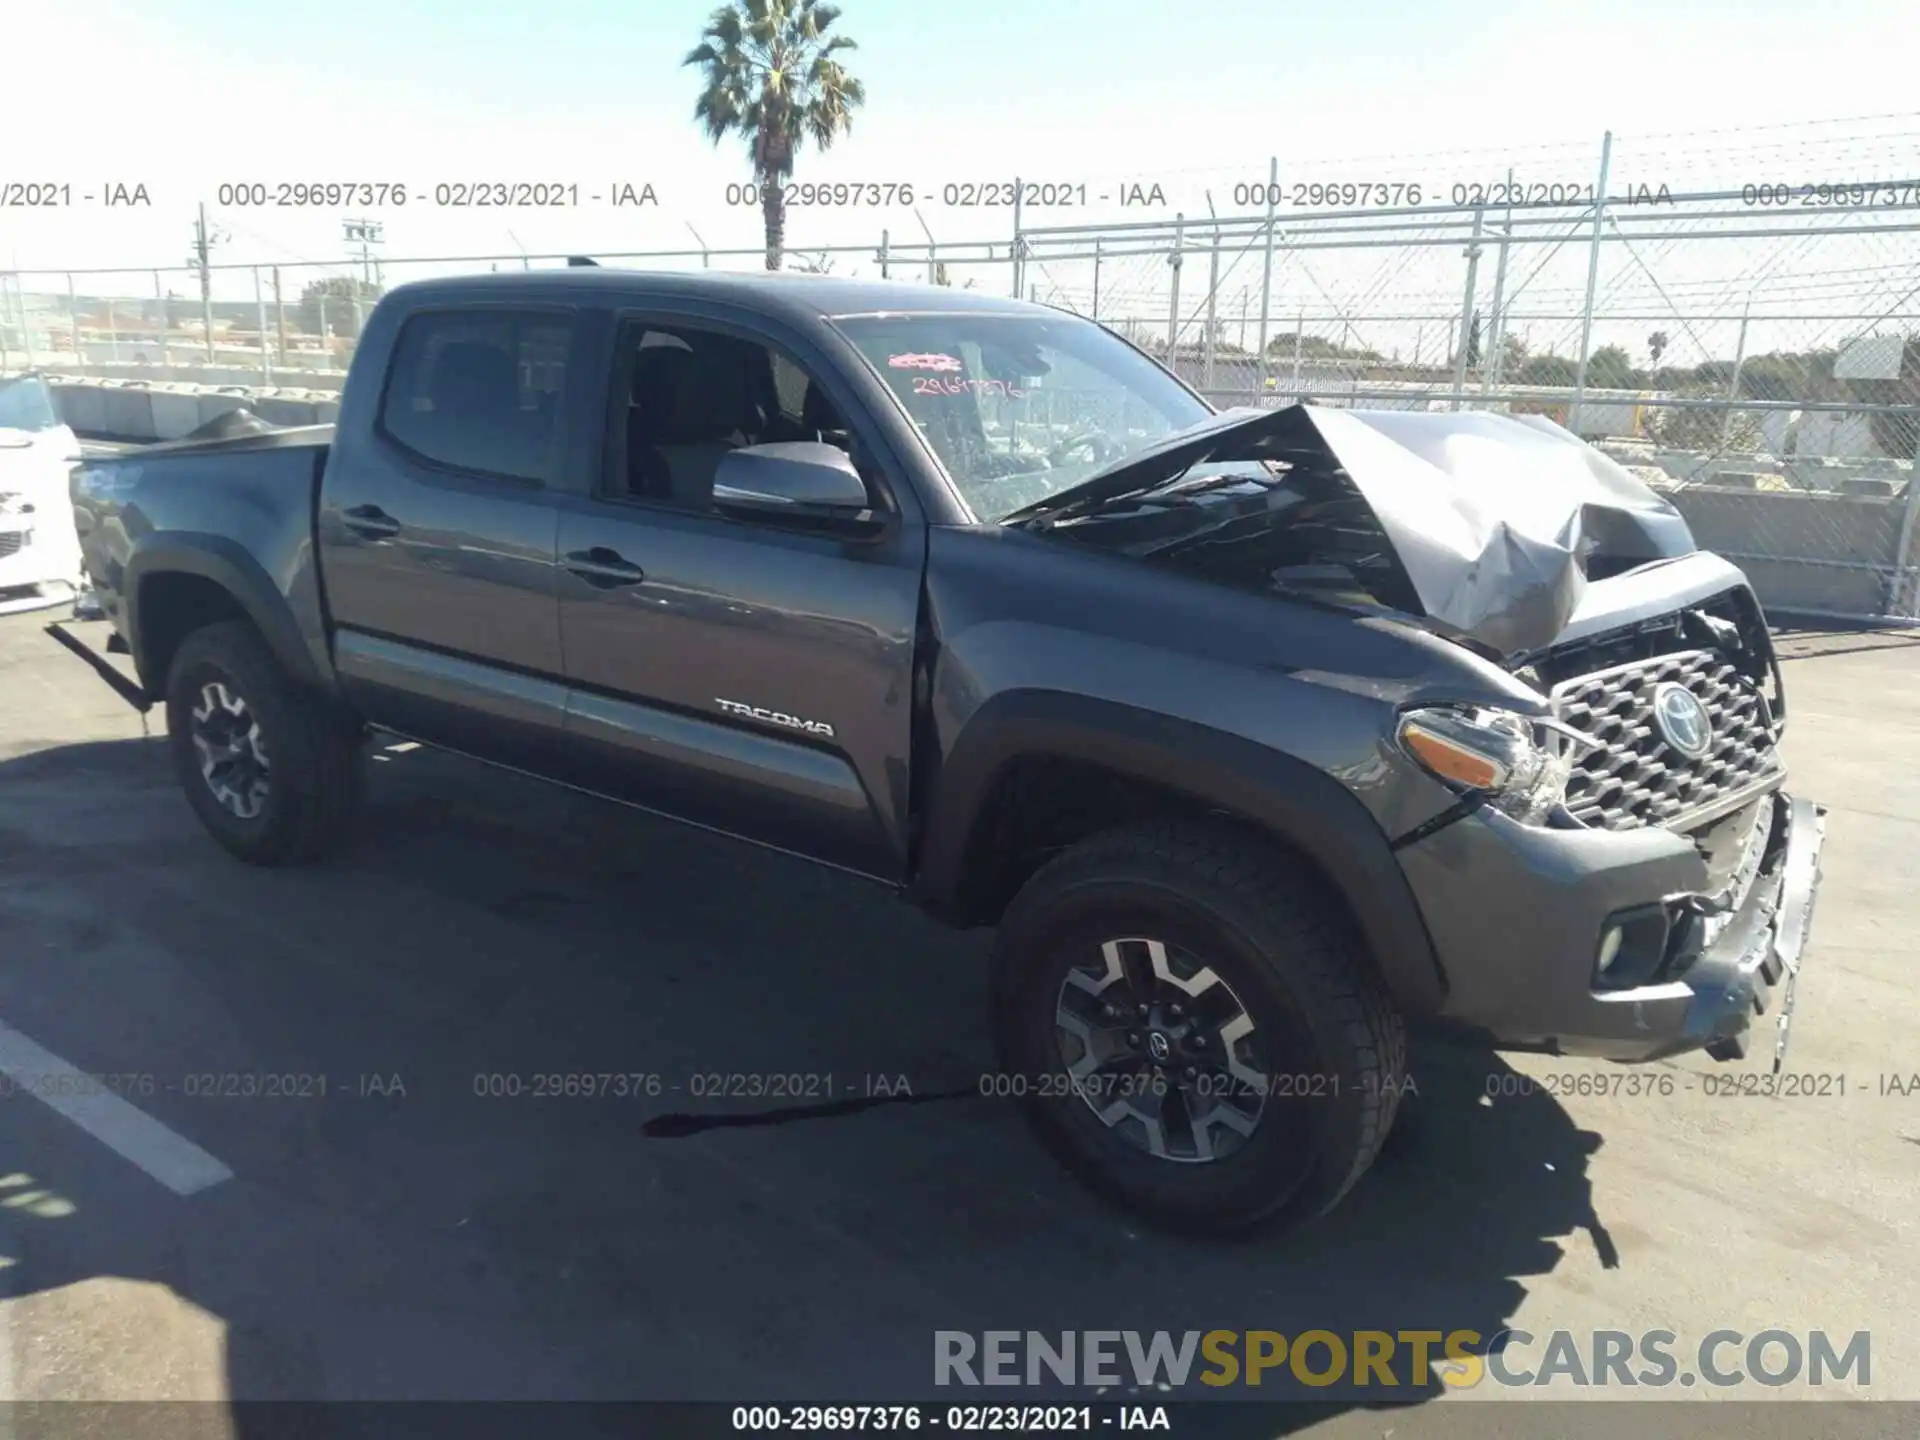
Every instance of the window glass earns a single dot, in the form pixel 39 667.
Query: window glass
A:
pixel 1021 407
pixel 26 404
pixel 790 385
pixel 693 396
pixel 480 390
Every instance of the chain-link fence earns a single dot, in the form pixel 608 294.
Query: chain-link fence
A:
pixel 1751 350
pixel 295 323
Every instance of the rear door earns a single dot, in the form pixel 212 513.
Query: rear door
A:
pixel 740 674
pixel 437 525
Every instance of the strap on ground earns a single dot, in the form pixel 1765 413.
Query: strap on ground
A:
pixel 126 689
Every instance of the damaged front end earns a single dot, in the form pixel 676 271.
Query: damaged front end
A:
pixel 1638 883
pixel 1488 526
pixel 1683 713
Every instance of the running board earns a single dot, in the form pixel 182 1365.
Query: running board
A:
pixel 126 689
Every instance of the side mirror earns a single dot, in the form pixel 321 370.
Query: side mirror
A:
pixel 805 480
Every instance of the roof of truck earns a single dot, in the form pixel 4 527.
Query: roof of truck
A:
pixel 793 295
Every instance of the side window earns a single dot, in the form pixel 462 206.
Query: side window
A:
pixel 791 387
pixel 685 397
pixel 480 391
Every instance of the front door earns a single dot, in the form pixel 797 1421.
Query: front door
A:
pixel 737 674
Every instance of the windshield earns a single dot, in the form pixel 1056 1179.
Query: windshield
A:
pixel 26 404
pixel 1021 407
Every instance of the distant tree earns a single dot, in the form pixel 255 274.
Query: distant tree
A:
pixel 1318 347
pixel 1692 427
pixel 1513 352
pixel 335 295
pixel 1611 368
pixel 771 77
pixel 1656 346
pixel 1786 375
pixel 1547 370
pixel 1473 343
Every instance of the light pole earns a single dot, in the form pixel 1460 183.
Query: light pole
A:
pixel 367 234
pixel 204 239
pixel 933 260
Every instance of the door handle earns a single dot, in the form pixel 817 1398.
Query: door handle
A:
pixel 370 520
pixel 603 568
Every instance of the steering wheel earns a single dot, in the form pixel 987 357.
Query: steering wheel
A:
pixel 1093 440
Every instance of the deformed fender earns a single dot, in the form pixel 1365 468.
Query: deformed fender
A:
pixel 228 564
pixel 1289 798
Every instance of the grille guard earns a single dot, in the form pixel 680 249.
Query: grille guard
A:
pixel 1633 778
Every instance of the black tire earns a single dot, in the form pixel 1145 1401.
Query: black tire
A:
pixel 310 791
pixel 1291 961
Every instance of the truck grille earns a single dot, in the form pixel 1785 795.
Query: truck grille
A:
pixel 10 542
pixel 1636 778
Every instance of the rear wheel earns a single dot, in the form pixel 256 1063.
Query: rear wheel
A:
pixel 1194 1029
pixel 272 771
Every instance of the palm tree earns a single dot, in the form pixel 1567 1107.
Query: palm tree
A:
pixel 771 77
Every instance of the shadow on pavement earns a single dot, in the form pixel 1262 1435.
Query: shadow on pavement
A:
pixel 1817 639
pixel 443 1242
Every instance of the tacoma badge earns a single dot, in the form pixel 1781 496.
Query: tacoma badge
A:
pixel 776 717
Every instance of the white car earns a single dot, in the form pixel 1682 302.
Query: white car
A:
pixel 39 549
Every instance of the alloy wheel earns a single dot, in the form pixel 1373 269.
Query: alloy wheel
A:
pixel 232 751
pixel 1162 1050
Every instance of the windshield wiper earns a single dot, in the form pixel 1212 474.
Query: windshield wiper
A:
pixel 1222 437
pixel 1168 493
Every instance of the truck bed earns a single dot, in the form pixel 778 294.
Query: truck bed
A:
pixel 241 505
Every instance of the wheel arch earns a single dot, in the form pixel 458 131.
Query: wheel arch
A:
pixel 179 582
pixel 1142 763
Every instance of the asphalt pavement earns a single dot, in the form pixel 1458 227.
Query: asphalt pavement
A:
pixel 328 1167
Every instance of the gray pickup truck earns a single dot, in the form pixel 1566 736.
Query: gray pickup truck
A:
pixel 1260 736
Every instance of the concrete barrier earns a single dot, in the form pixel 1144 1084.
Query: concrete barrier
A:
pixel 182 374
pixel 83 407
pixel 284 408
pixel 176 413
pixel 1803 552
pixel 213 404
pixel 129 412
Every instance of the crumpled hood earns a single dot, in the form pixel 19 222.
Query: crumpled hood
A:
pixel 1493 517
pixel 1496 517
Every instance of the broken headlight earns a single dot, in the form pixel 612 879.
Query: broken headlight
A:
pixel 1520 763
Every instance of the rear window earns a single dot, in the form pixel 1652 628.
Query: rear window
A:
pixel 26 404
pixel 480 391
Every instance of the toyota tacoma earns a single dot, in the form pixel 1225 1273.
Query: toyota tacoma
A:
pixel 1260 736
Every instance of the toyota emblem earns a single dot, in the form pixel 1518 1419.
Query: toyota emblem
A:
pixel 1682 720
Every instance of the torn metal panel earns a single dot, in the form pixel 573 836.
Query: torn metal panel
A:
pixel 1495 519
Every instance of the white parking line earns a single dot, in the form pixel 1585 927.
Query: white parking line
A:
pixel 176 1162
pixel 7 1396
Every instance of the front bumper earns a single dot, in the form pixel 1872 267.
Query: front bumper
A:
pixel 36 570
pixel 27 578
pixel 1517 914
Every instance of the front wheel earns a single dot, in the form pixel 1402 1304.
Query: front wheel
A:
pixel 1194 1029
pixel 273 772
